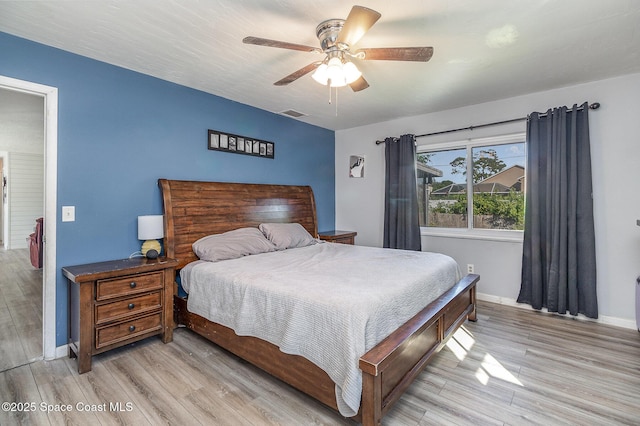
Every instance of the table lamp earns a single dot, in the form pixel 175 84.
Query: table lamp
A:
pixel 150 229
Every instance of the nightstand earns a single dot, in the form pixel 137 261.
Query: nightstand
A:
pixel 118 302
pixel 342 237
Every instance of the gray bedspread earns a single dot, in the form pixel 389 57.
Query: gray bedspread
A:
pixel 329 303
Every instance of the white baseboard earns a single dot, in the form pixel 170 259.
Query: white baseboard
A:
pixel 602 319
pixel 61 352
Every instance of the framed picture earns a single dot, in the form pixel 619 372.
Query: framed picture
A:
pixel 356 166
pixel 228 142
pixel 214 140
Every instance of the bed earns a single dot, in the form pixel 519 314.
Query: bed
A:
pixel 193 210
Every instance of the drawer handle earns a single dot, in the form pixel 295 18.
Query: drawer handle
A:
pixel 131 306
pixel 132 328
pixel 133 284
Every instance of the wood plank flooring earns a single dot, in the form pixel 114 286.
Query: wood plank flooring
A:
pixel 512 367
pixel 20 309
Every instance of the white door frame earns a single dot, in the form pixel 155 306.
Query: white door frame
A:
pixel 50 95
pixel 4 223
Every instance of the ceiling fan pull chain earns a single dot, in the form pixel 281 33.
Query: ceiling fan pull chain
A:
pixel 336 101
pixel 329 86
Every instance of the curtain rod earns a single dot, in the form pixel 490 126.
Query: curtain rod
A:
pixel 594 105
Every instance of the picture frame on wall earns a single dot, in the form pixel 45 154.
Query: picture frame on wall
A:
pixel 237 144
pixel 356 166
pixel 214 140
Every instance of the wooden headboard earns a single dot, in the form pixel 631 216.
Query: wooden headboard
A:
pixel 195 209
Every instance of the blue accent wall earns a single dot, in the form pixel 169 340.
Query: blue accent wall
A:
pixel 119 131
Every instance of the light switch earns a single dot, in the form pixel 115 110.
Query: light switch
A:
pixel 68 213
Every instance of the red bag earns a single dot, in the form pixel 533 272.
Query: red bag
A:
pixel 35 245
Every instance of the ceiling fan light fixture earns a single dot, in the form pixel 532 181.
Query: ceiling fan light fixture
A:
pixel 351 72
pixel 320 75
pixel 336 73
pixel 338 82
pixel 334 70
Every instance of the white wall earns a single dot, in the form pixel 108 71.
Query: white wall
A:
pixel 22 146
pixel 614 130
pixel 26 196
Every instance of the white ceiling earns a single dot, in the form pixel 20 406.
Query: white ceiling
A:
pixel 483 50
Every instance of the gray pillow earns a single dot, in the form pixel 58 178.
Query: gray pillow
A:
pixel 232 244
pixel 287 235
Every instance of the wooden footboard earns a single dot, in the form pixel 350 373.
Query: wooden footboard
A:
pixel 387 369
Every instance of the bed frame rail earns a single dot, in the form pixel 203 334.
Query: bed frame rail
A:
pixel 389 368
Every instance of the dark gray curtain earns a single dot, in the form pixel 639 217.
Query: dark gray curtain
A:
pixel 401 224
pixel 559 260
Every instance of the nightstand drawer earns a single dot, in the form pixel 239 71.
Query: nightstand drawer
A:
pixel 131 306
pixel 108 289
pixel 126 330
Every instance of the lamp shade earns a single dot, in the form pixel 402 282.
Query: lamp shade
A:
pixel 150 227
pixel 320 75
pixel 351 72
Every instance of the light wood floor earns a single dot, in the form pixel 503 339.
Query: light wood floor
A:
pixel 512 367
pixel 20 309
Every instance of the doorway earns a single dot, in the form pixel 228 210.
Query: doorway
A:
pixel 49 96
pixel 22 139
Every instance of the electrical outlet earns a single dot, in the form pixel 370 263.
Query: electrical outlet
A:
pixel 470 268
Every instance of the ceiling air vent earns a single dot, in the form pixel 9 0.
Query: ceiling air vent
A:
pixel 293 113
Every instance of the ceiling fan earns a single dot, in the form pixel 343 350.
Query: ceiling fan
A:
pixel 337 37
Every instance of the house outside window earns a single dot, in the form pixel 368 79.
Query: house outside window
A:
pixel 476 185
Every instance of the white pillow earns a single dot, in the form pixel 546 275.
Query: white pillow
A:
pixel 232 244
pixel 287 235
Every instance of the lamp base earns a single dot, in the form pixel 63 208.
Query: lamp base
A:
pixel 151 249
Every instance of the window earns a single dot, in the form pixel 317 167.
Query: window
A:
pixel 477 184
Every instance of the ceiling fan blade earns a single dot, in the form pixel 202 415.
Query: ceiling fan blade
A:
pixel 281 44
pixel 420 54
pixel 359 84
pixel 358 22
pixel 297 74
